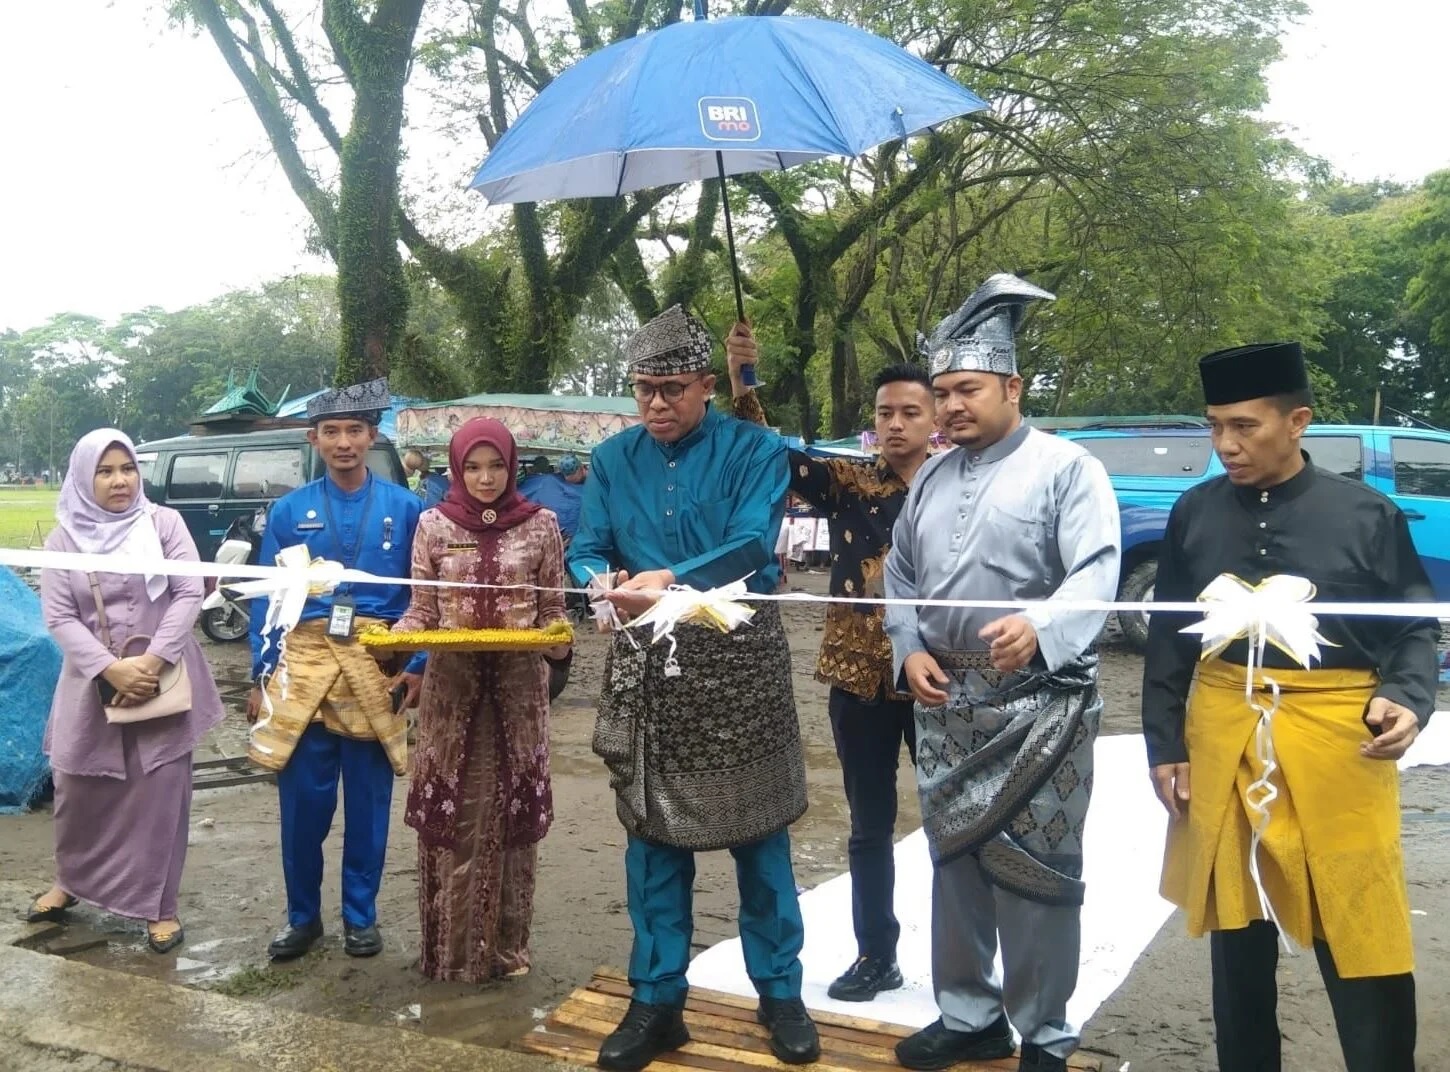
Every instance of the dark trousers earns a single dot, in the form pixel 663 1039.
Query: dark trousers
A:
pixel 307 791
pixel 868 736
pixel 1375 1016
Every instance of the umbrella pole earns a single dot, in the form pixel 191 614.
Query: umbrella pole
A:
pixel 747 374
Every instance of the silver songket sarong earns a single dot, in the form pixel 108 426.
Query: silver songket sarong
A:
pixel 1005 772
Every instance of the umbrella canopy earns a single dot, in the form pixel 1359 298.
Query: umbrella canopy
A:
pixel 695 99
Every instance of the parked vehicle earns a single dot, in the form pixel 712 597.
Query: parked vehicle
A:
pixel 1151 464
pixel 211 480
pixel 224 619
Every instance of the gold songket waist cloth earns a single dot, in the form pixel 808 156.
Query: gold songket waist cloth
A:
pixel 333 681
pixel 1328 857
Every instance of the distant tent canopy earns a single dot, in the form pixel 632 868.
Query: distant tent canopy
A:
pixel 549 424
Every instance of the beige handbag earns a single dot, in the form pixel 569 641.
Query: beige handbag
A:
pixel 173 692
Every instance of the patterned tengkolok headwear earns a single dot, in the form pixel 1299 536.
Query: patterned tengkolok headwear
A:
pixel 671 344
pixel 981 335
pixel 361 401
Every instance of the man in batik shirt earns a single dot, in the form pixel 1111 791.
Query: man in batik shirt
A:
pixel 870 720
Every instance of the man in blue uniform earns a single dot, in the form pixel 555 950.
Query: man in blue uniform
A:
pixel 702 741
pixel 559 491
pixel 327 712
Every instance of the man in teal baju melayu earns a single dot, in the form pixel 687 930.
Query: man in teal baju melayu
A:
pixel 703 746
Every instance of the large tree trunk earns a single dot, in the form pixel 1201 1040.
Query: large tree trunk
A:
pixel 372 292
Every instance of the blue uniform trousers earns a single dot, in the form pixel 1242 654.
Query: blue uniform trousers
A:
pixel 307 789
pixel 661 883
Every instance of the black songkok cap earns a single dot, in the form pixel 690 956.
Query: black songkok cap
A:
pixel 1259 370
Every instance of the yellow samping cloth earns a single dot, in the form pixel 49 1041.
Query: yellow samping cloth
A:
pixel 1330 857
pixel 335 682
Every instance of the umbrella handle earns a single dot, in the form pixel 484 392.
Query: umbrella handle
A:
pixel 747 372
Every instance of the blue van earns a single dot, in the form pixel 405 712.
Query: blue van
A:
pixel 1151 461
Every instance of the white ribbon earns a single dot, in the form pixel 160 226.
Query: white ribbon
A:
pixel 1275 611
pixel 63 560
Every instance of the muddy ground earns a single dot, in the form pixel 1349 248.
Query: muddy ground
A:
pixel 232 899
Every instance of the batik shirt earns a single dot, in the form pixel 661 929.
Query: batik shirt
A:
pixel 1032 517
pixel 707 507
pixel 861 500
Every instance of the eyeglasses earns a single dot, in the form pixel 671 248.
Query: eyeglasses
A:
pixel 670 390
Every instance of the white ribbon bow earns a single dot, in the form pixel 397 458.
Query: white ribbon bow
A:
pixel 287 594
pixel 680 603
pixel 1275 611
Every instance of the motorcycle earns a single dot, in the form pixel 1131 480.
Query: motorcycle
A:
pixel 223 619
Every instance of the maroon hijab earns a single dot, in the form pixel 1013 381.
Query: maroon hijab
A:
pixel 462 508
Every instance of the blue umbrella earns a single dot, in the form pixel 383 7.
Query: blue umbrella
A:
pixel 707 99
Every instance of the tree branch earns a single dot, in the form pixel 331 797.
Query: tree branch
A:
pixel 303 89
pixel 277 126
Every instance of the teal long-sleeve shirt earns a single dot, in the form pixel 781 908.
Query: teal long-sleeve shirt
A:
pixel 707 508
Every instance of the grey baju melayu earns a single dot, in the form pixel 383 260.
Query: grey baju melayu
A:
pixel 1004 767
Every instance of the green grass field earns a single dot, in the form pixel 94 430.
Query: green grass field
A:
pixel 21 510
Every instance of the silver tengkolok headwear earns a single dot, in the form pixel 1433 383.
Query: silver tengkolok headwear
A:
pixel 671 344
pixel 362 401
pixel 981 335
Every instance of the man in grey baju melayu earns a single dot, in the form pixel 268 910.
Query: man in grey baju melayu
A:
pixel 1007 703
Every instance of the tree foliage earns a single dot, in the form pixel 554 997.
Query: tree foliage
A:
pixel 1122 165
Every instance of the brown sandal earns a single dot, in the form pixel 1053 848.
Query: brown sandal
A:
pixel 39 913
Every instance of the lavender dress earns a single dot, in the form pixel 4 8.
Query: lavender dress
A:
pixel 123 792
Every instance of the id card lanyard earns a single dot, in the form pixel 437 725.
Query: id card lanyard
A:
pixel 344 606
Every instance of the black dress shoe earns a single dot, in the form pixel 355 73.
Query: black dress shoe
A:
pixel 645 1032
pixel 293 942
pixel 937 1046
pixel 1036 1059
pixel 865 979
pixel 793 1037
pixel 361 941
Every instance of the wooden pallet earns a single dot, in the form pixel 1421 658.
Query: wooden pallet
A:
pixel 725 1036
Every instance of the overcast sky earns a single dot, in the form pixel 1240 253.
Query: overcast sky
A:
pixel 132 175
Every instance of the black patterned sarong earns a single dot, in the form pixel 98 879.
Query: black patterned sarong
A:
pixel 710 758
pixel 1008 777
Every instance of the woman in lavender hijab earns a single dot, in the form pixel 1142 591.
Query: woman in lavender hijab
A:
pixel 122 791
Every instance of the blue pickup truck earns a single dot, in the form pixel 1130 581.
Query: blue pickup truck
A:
pixel 1154 461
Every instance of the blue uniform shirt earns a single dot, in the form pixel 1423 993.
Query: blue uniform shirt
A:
pixel 707 508
pixel 432 488
pixel 349 527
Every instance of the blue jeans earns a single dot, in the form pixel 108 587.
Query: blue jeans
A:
pixel 307 791
pixel 661 884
